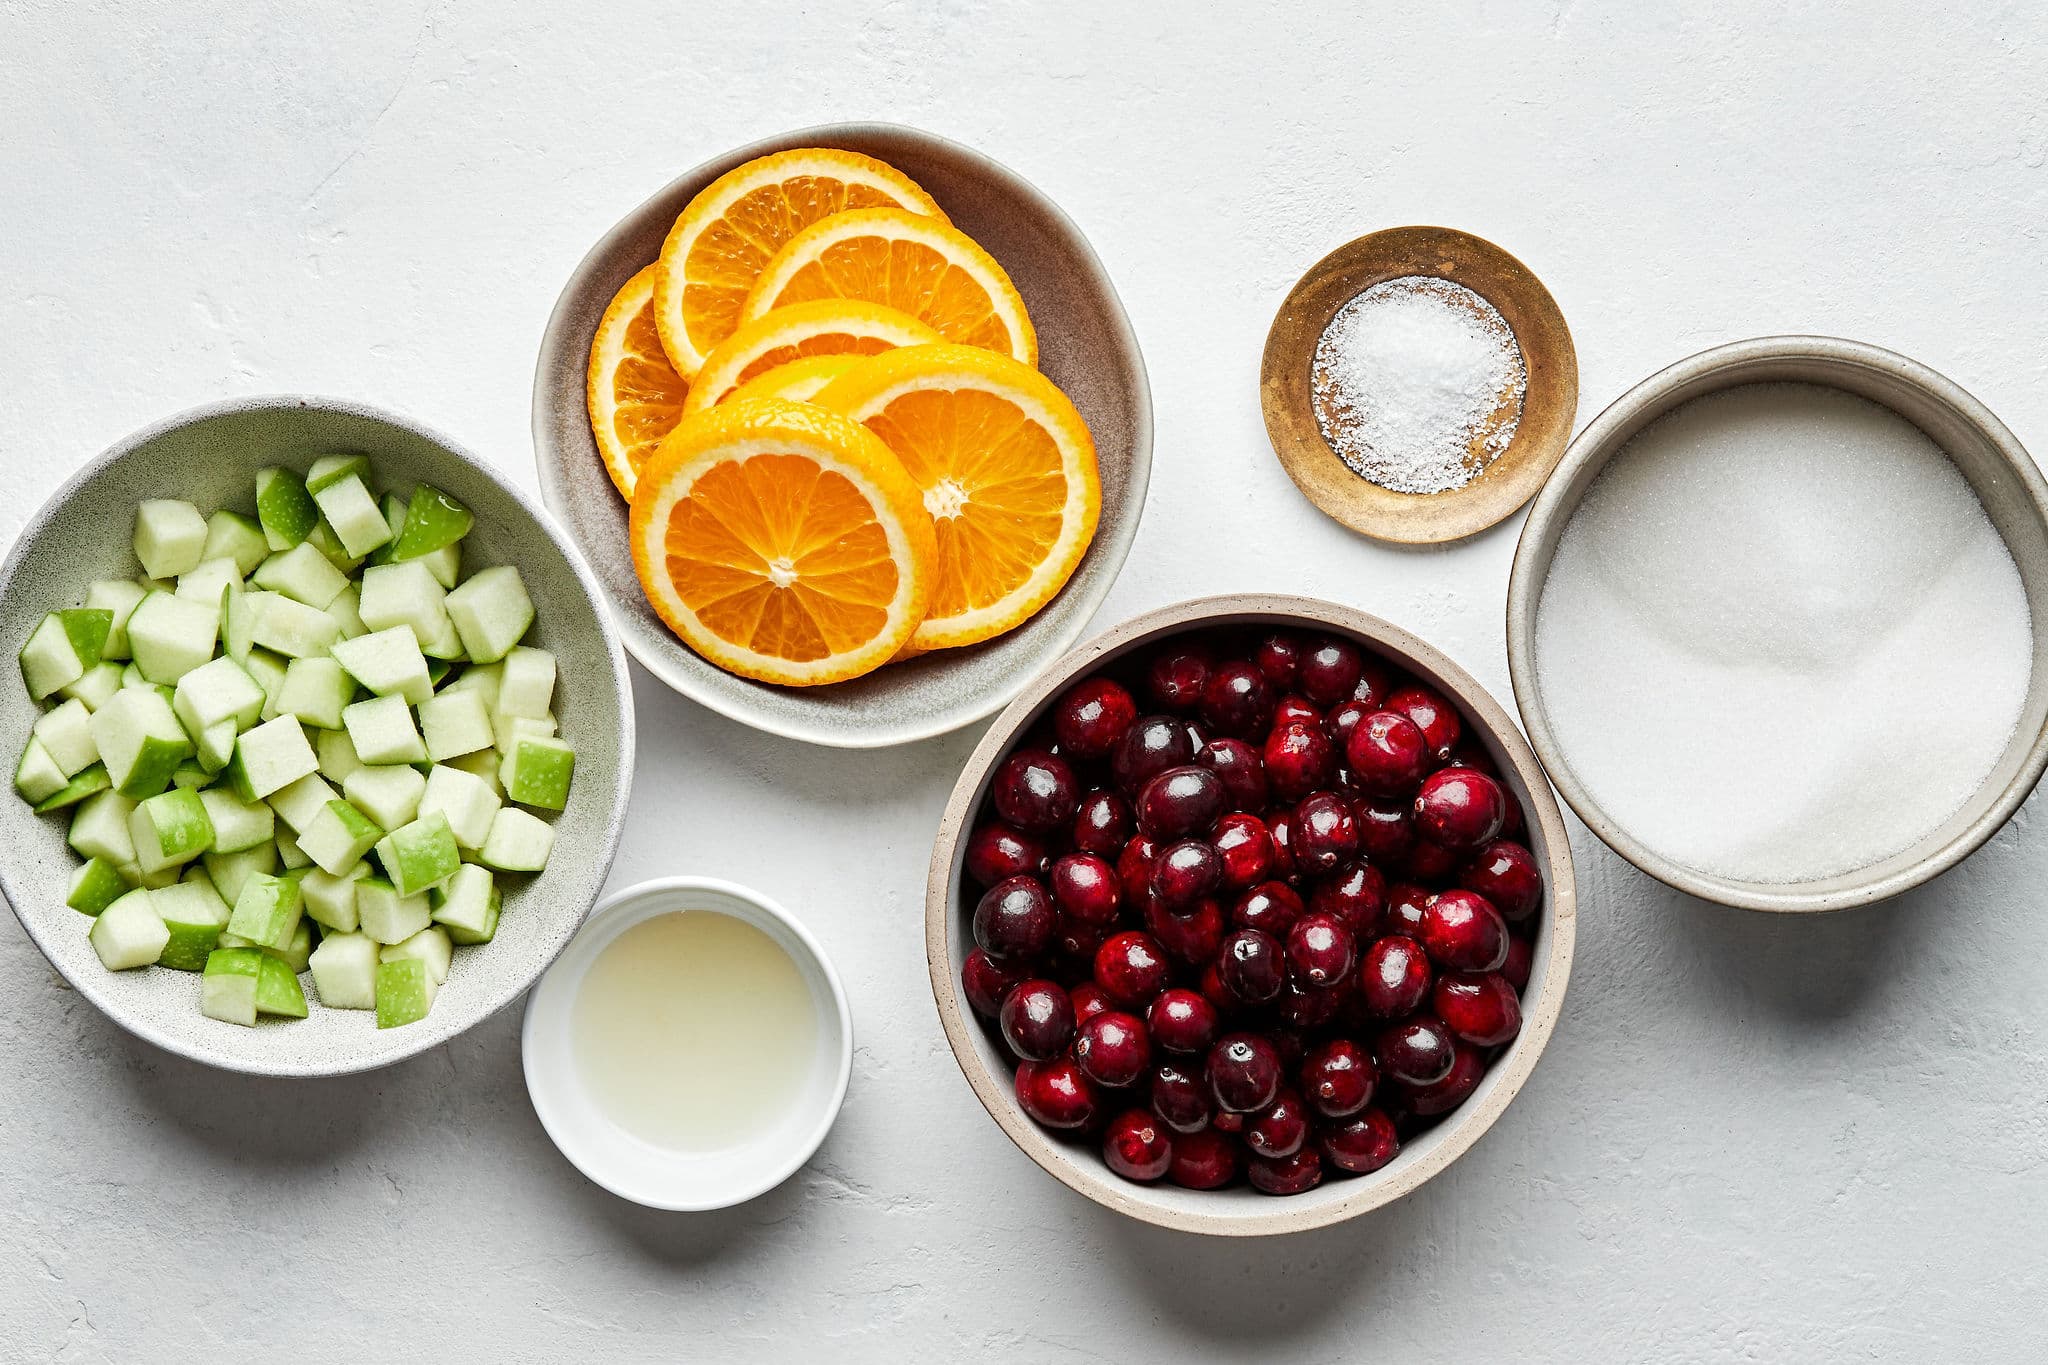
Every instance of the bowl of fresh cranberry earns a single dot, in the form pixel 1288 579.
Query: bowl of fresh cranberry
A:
pixel 1250 915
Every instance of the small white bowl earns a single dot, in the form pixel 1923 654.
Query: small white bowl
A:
pixel 659 1177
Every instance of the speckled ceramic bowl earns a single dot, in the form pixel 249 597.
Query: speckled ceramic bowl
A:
pixel 1087 348
pixel 210 456
pixel 1241 1211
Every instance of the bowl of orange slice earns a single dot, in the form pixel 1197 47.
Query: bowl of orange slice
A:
pixel 853 428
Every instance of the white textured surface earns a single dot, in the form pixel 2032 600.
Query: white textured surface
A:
pixel 1751 1138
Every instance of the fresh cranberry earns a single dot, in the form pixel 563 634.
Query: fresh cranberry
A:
pixel 1435 717
pixel 1113 1049
pixel 1102 824
pixel 1184 873
pixel 1295 710
pixel 1295 1174
pixel 1192 936
pixel 1227 1121
pixel 1085 886
pixel 1342 720
pixel 1481 1008
pixel 1180 1099
pixel 1176 678
pixel 1299 758
pixel 1360 1145
pixel 1074 942
pixel 1387 753
pixel 1180 802
pixel 1092 717
pixel 1134 870
pixel 1303 1006
pixel 1320 950
pixel 1088 1000
pixel 1415 1052
pixel 1325 833
pixel 1459 808
pixel 1203 1161
pixel 1037 1020
pixel 1337 1078
pixel 1280 1129
pixel 1385 833
pixel 1270 906
pixel 1355 895
pixel 985 981
pixel 1216 993
pixel 1182 1020
pixel 1237 764
pixel 1245 846
pixel 1405 903
pixel 1463 932
pixel 997 852
pixel 1507 875
pixel 1521 959
pixel 1515 826
pixel 1236 701
pixel 1279 659
pixel 1330 669
pixel 1131 968
pixel 1014 918
pixel 1056 1094
pixel 1243 1072
pixel 1428 863
pixel 1376 683
pixel 1281 828
pixel 1470 754
pixel 1394 976
pixel 1136 1147
pixel 1035 791
pixel 1151 746
pixel 1252 965
pixel 1451 1089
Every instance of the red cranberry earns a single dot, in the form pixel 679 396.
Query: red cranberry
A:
pixel 1295 1174
pixel 1216 993
pixel 1451 1089
pixel 1136 1147
pixel 1180 1099
pixel 1227 1121
pixel 1521 958
pixel 1134 870
pixel 1236 701
pixel 1330 670
pixel 1299 758
pixel 1182 1020
pixel 1243 1072
pixel 1237 764
pixel 1507 875
pixel 1177 677
pixel 1387 753
pixel 1270 906
pixel 1112 1049
pixel 1280 1130
pixel 1464 933
pixel 1459 808
pixel 1428 863
pixel 1074 943
pixel 1151 746
pixel 1515 826
pixel 1037 1020
pixel 1035 790
pixel 1338 1078
pixel 1320 950
pixel 1192 936
pixel 1131 968
pixel 1405 904
pixel 1056 1095
pixel 1203 1161
pixel 1343 719
pixel 1180 802
pixel 986 981
pixel 1085 887
pixel 1184 873
pixel 1376 683
pixel 1245 846
pixel 1394 976
pixel 1385 833
pixel 1360 1145
pixel 1415 1052
pixel 1092 717
pixel 1480 1008
pixel 1014 918
pixel 1325 833
pixel 997 852
pixel 1102 824
pixel 1252 966
pixel 1355 895
pixel 1294 710
pixel 1303 1006
pixel 1281 827
pixel 1432 714
pixel 1088 1000
pixel 1279 659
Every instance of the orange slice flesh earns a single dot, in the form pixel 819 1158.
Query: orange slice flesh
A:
pixel 1007 471
pixel 825 327
pixel 799 380
pixel 634 395
pixel 783 542
pixel 914 264
pixel 728 232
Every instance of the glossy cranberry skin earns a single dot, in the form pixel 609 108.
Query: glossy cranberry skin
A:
pixel 1434 716
pixel 1227 1121
pixel 1330 670
pixel 1355 895
pixel 1429 864
pixel 1320 950
pixel 1385 833
pixel 1279 659
pixel 1113 1049
pixel 1243 1072
pixel 1237 701
pixel 1134 870
pixel 1184 873
pixel 1295 1174
pixel 1091 718
pixel 1252 965
pixel 1325 833
pixel 1088 1000
pixel 1417 1051
pixel 1182 1020
pixel 1304 1007
pixel 1190 936
pixel 1180 1098
pixel 1394 976
pixel 1037 1020
pixel 1480 1008
pixel 1507 875
pixel 1359 1145
pixel 1280 1129
pixel 1376 683
pixel 1405 904
pixel 1057 1095
pixel 1151 746
pixel 997 852
pixel 1136 1147
pixel 1343 719
pixel 1245 847
pixel 1237 765
pixel 1035 791
pixel 1387 754
pixel 1281 828
pixel 1203 1161
pixel 1464 933
pixel 1450 1090
pixel 1460 809
pixel 1337 1078
pixel 1073 946
pixel 1180 803
pixel 1295 710
pixel 1131 968
pixel 1176 679
pixel 1014 918
pixel 1521 959
pixel 1216 993
pixel 1085 887
pixel 1102 824
pixel 1271 906
pixel 1299 759
pixel 986 981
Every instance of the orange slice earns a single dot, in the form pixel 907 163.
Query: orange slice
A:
pixel 634 395
pixel 799 380
pixel 782 542
pixel 1007 469
pixel 915 264
pixel 826 327
pixel 726 234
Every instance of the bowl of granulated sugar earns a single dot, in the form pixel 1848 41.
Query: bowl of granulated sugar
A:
pixel 1776 624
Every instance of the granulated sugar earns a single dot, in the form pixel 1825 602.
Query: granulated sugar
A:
pixel 1418 384
pixel 1780 639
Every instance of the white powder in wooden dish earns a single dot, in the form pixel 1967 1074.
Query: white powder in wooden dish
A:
pixel 1780 639
pixel 1418 384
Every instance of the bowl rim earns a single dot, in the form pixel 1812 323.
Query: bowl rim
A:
pixel 1115 543
pixel 618 905
pixel 609 839
pixel 1604 437
pixel 1363 1193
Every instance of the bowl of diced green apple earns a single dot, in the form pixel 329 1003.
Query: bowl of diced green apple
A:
pixel 324 737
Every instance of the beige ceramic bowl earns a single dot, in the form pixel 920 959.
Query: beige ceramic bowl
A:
pixel 1242 1211
pixel 1086 346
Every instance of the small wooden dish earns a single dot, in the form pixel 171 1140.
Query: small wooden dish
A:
pixel 1548 406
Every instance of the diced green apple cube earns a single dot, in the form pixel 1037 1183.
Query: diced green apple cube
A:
pixel 208 581
pixel 99 828
pixel 140 741
pixel 216 745
pixel 230 535
pixel 482 765
pixel 277 987
pixel 194 914
pixel 99 683
pixel 491 612
pixel 237 824
pixel 284 507
pixel 170 830
pixel 96 885
pixel 316 691
pixel 129 933
pixel 419 855
pixel 518 842
pixel 267 910
pixel 388 793
pixel 345 609
pixel 387 916
pixel 332 469
pixel 63 647
pixel 191 775
pixel 331 900
pixel 88 783
pixel 337 754
pixel 170 635
pixel 344 970
pixel 227 988
pixel 217 691
pixel 324 540
pixel 445 564
pixel 338 837
pixel 289 853
pixel 388 662
pixel 270 757
pixel 268 670
pixel 538 771
pixel 526 683
pixel 485 678
pixel 467 907
pixel 37 776
pixel 433 520
pixel 404 595
pixel 353 514
pixel 509 730
pixel 170 537
pixel 405 992
pixel 66 735
pixel 230 872
pixel 154 881
pixel 303 574
pixel 455 723
pixel 467 801
pixel 299 803
pixel 290 627
pixel 430 945
pixel 383 731
pixel 118 598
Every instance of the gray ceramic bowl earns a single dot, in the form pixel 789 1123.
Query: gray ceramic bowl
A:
pixel 210 456
pixel 1086 347
pixel 1242 1211
pixel 2007 482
